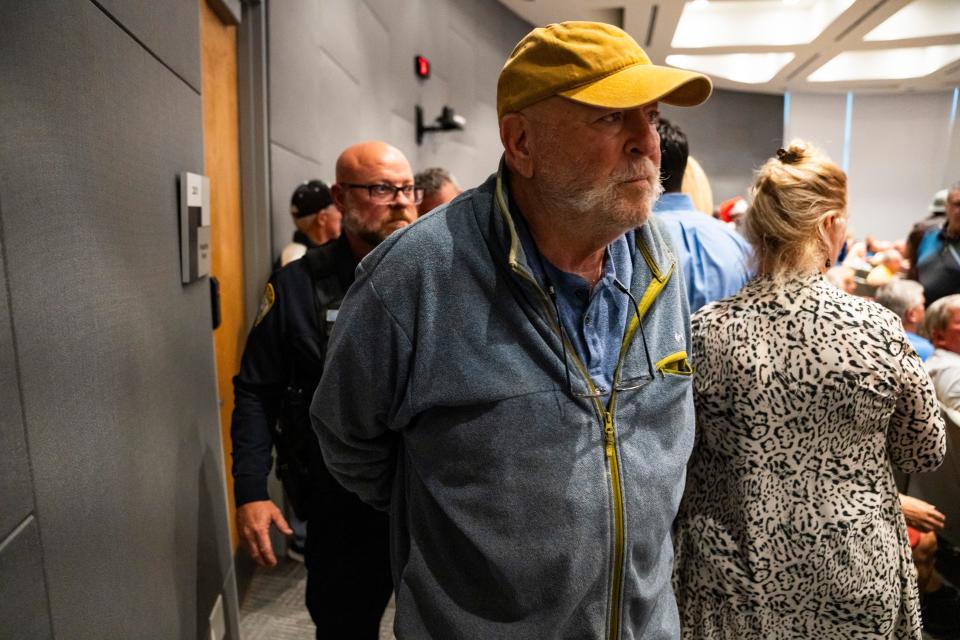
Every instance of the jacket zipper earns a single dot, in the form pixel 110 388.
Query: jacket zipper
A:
pixel 613 463
pixel 605 415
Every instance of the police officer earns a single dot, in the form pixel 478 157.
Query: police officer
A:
pixel 316 217
pixel 347 549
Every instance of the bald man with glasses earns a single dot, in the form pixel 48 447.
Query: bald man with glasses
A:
pixel 347 548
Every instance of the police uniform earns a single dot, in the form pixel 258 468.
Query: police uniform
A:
pixel 347 549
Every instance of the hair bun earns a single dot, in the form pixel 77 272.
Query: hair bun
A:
pixel 789 156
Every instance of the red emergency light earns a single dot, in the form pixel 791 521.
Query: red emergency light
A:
pixel 421 66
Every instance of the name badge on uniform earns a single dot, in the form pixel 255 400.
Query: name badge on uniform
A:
pixel 331 317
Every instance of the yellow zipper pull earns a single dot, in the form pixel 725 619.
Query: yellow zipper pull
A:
pixel 608 432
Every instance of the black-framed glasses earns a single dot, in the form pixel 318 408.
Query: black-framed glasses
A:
pixel 383 193
pixel 625 385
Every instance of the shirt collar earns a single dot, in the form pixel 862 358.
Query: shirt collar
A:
pixel 538 264
pixel 675 201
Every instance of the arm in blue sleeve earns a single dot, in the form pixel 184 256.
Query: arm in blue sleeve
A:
pixel 362 391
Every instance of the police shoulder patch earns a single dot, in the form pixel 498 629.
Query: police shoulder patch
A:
pixel 266 303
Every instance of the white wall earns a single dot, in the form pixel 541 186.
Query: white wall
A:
pixel 341 71
pixel 818 119
pixel 901 150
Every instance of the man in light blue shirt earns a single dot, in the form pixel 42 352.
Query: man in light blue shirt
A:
pixel 905 298
pixel 714 258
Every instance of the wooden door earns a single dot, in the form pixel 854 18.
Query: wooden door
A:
pixel 221 159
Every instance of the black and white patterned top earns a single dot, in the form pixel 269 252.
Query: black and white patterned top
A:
pixel 790 526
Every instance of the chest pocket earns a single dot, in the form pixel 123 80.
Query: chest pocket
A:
pixel 676 364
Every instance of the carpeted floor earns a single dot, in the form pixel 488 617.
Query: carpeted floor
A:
pixel 273 608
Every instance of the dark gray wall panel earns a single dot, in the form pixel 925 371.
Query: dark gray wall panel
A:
pixel 116 359
pixel 731 135
pixel 170 30
pixel 16 488
pixel 23 607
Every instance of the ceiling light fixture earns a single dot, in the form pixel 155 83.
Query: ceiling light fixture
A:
pixel 754 22
pixel 919 19
pixel 749 68
pixel 886 64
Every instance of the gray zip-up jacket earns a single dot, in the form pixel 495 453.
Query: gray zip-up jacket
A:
pixel 517 509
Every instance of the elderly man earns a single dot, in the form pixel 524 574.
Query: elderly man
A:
pixel 905 298
pixel 943 326
pixel 347 549
pixel 438 186
pixel 938 256
pixel 714 258
pixel 514 385
pixel 316 217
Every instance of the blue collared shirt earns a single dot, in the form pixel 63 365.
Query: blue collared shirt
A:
pixel 593 321
pixel 715 259
pixel 923 346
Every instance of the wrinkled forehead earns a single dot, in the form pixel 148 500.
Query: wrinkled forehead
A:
pixel 390 169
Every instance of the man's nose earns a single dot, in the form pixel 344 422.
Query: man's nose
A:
pixel 401 199
pixel 643 136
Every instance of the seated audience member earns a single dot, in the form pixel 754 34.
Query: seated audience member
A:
pixel 790 524
pixel 856 257
pixel 942 605
pixel 924 521
pixel 713 257
pixel 731 211
pixel 888 263
pixel 438 186
pixel 905 298
pixel 943 327
pixel 938 256
pixel 316 217
pixel 843 278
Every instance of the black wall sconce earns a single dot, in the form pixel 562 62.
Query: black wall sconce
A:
pixel 448 120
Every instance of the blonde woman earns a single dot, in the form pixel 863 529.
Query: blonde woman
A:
pixel 790 526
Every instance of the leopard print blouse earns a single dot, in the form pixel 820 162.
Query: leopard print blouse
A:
pixel 790 525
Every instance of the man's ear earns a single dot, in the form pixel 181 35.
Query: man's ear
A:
pixel 515 136
pixel 338 194
pixel 913 314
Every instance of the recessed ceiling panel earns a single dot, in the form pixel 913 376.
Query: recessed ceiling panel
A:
pixel 886 64
pixel 745 44
pixel 754 22
pixel 920 19
pixel 751 68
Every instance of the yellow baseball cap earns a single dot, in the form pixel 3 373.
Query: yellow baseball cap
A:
pixel 593 63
